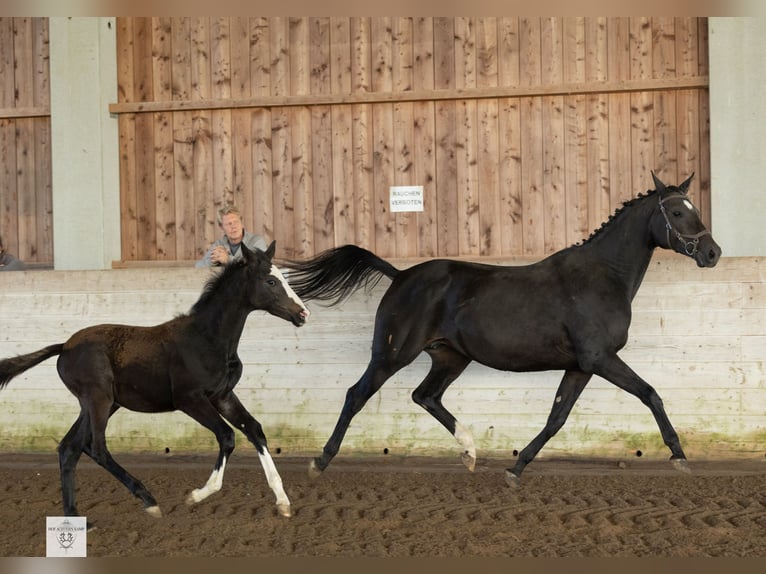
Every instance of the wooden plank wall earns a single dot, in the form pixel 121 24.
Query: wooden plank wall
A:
pixel 526 133
pixel 698 336
pixel 26 203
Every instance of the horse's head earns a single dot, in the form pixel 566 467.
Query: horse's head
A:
pixel 677 225
pixel 268 288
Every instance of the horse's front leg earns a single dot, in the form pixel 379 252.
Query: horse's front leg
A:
pixel 233 411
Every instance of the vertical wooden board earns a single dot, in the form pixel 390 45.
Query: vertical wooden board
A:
pixel 551 50
pixel 282 181
pixel 201 71
pixel 444 54
pixel 222 160
pixel 688 143
pixel 576 177
pixel 381 41
pixel 532 203
pixel 424 171
pixel 620 142
pixel 601 204
pixel 44 189
pixel 486 52
pixel 508 51
pixel 260 56
pixel 181 59
pixel 423 53
pixel 27 194
pixel 554 170
pixel 164 185
pixel 342 182
pixel 143 80
pixel 206 218
pixel 220 60
pixel 264 176
pixel 303 180
pixel 279 48
pixel 663 47
pixel 618 38
pixel 239 48
pixel 128 192
pixel 9 200
pixel 509 173
pixel 466 137
pixel 574 55
pixel 490 208
pixel 406 222
pixel 146 208
pixel 363 180
pixel 124 41
pixel 300 64
pixel 242 167
pixel 7 84
pixel 340 55
pixel 322 176
pixel 187 246
pixel 383 178
pixel 702 181
pixel 686 47
pixel 319 55
pixel 530 65
pixel 641 104
pixel 446 178
pixel 41 62
pixel 165 220
pixel 665 136
pixel 403 54
pixel 465 53
pixel 361 54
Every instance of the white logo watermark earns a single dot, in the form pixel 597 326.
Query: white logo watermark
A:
pixel 66 536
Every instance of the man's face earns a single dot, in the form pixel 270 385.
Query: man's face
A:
pixel 232 227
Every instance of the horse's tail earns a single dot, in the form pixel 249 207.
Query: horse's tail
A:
pixel 9 368
pixel 336 273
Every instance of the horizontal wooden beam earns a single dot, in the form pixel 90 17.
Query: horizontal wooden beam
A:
pixel 660 84
pixel 14 113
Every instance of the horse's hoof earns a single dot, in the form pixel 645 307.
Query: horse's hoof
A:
pixel 153 511
pixel 512 480
pixel 681 465
pixel 468 460
pixel 284 510
pixel 314 471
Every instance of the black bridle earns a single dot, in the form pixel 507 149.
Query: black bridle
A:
pixel 690 242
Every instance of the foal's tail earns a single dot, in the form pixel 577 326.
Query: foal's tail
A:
pixel 9 368
pixel 336 273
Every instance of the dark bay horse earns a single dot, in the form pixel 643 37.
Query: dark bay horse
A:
pixel 189 363
pixel 570 311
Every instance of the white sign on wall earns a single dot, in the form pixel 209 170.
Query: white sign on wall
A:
pixel 406 198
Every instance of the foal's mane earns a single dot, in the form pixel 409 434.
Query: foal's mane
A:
pixel 619 211
pixel 219 280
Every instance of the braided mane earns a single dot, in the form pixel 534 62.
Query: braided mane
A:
pixel 626 204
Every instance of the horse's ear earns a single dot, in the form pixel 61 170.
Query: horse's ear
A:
pixel 684 187
pixel 247 255
pixel 272 249
pixel 658 185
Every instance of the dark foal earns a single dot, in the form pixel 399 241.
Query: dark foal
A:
pixel 189 363
pixel 570 311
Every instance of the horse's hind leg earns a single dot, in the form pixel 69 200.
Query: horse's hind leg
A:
pixel 356 397
pixel 447 365
pixel 234 412
pixel 570 388
pixel 70 449
pixel 99 411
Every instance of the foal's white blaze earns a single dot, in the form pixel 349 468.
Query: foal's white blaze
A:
pixel 212 485
pixel 289 290
pixel 465 439
pixel 275 482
